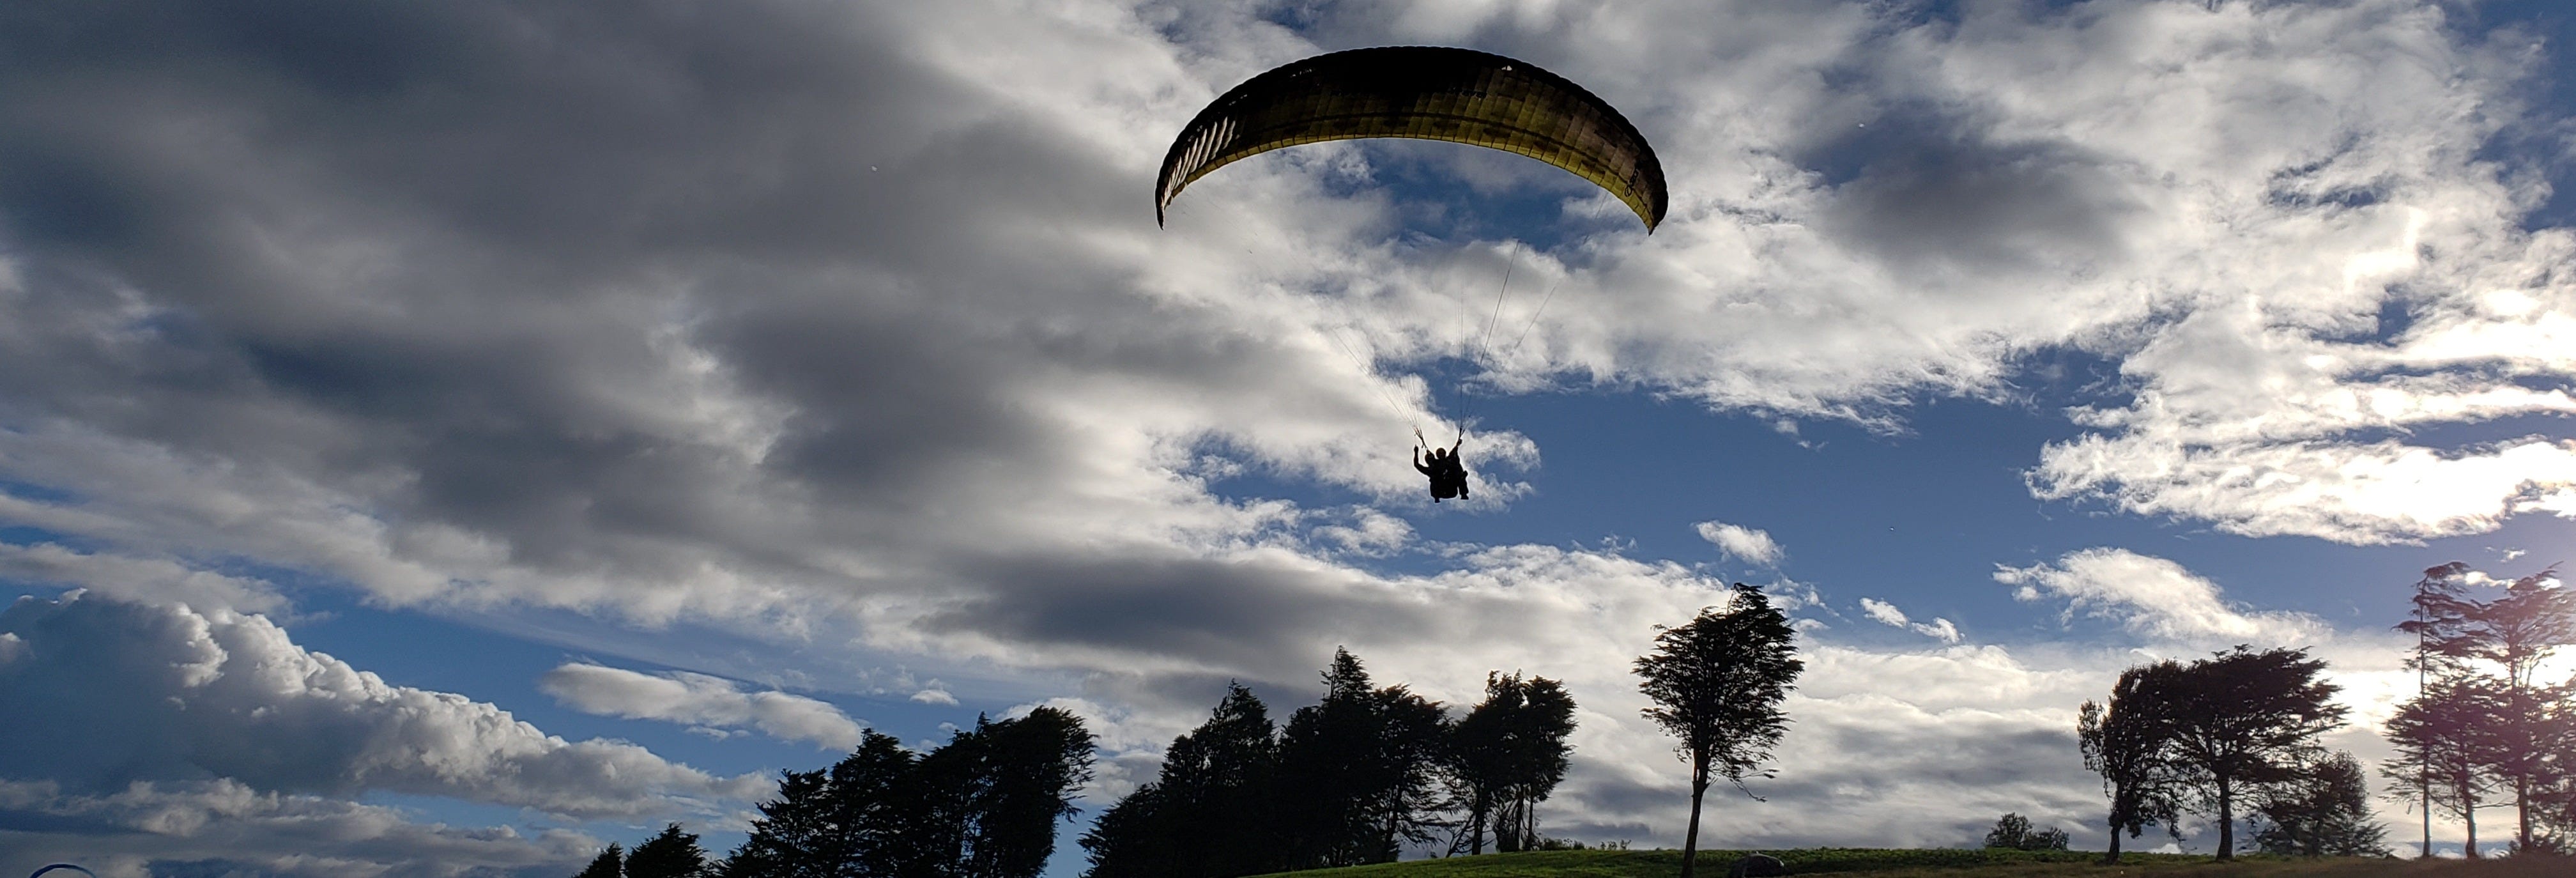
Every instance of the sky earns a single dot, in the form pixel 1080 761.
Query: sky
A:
pixel 443 439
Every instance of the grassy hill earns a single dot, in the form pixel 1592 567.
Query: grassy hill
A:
pixel 1942 863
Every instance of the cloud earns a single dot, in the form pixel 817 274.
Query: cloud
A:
pixel 1887 614
pixel 2153 596
pixel 1746 544
pixel 848 324
pixel 699 700
pixel 225 827
pixel 137 693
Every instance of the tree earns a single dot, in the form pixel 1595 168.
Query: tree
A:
pixel 852 819
pixel 2125 743
pixel 1208 813
pixel 606 864
pixel 1357 771
pixel 2013 831
pixel 1029 769
pixel 670 854
pixel 2324 812
pixel 2239 720
pixel 2514 635
pixel 2443 740
pixel 1717 683
pixel 1505 757
pixel 2440 611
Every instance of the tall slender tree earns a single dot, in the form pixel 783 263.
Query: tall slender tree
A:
pixel 2239 720
pixel 2514 635
pixel 2439 612
pixel 2125 741
pixel 1717 683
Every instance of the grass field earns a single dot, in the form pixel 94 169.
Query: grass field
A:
pixel 1944 863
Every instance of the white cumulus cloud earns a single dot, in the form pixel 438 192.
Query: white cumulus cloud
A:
pixel 136 693
pixel 1887 613
pixel 2151 595
pixel 1742 543
pixel 699 700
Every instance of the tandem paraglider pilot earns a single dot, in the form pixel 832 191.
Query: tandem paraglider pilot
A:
pixel 1448 473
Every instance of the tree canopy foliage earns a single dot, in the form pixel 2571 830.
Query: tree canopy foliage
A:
pixel 1717 683
pixel 1349 780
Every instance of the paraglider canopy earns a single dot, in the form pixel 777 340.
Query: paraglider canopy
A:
pixel 1426 93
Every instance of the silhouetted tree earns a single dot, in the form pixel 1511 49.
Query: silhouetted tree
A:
pixel 2513 635
pixel 2125 742
pixel 1505 757
pixel 1135 838
pixel 2440 611
pixel 2013 831
pixel 2239 720
pixel 2443 737
pixel 984 805
pixel 852 819
pixel 1357 770
pixel 1217 782
pixel 670 854
pixel 606 865
pixel 2323 812
pixel 1717 683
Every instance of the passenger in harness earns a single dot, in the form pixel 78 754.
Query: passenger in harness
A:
pixel 1447 471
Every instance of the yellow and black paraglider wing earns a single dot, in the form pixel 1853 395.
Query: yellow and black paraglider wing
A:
pixel 1426 93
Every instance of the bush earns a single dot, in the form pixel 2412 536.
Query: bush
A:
pixel 2013 831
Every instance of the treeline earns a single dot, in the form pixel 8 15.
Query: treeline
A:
pixel 1350 780
pixel 2489 727
pixel 2234 737
pixel 983 805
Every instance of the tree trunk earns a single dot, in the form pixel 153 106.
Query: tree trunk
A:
pixel 2522 808
pixel 2470 815
pixel 1476 823
pixel 1699 789
pixel 2226 820
pixel 2113 856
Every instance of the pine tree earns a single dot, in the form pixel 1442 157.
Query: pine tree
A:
pixel 2444 742
pixel 2324 812
pixel 607 864
pixel 670 854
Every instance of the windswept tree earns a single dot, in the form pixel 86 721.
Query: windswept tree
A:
pixel 1717 683
pixel 2124 742
pixel 2238 721
pixel 2323 812
pixel 1505 757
